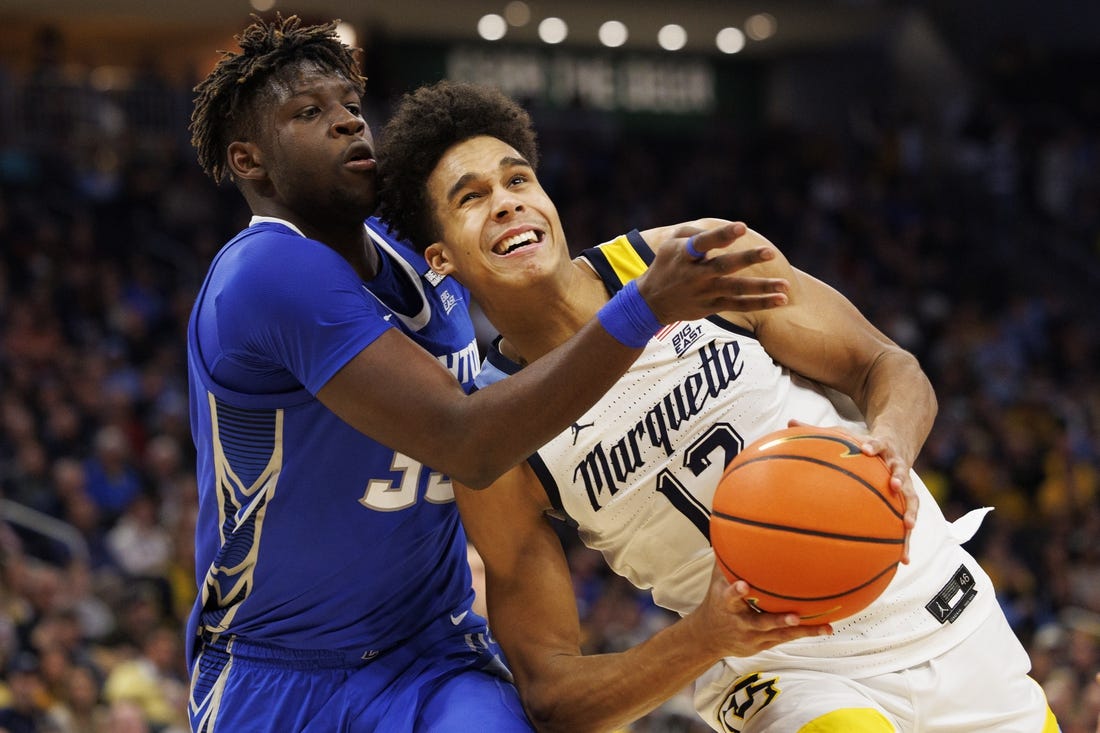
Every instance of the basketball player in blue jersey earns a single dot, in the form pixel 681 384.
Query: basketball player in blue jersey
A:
pixel 636 474
pixel 327 369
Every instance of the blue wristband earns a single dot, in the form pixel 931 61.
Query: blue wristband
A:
pixel 629 318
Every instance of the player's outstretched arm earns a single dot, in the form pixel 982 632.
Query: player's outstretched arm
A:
pixel 533 614
pixel 823 336
pixel 399 395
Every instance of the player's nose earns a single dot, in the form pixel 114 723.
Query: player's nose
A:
pixel 506 204
pixel 346 123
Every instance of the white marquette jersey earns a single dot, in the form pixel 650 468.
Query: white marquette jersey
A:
pixel 636 475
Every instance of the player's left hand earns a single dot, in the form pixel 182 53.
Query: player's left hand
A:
pixel 681 286
pixel 727 625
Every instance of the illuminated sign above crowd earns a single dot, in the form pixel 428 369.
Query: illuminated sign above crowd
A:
pixel 613 83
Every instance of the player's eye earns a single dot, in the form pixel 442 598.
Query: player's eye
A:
pixel 467 197
pixel 355 109
pixel 517 179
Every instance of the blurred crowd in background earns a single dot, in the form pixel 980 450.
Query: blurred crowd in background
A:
pixel 975 245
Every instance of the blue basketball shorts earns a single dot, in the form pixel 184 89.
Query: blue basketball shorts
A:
pixel 449 678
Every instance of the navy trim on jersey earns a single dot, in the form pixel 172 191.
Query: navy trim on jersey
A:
pixel 641 246
pixel 723 323
pixel 546 478
pixel 500 361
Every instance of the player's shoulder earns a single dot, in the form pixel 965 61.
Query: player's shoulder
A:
pixel 269 257
pixel 379 230
pixel 278 245
pixel 619 260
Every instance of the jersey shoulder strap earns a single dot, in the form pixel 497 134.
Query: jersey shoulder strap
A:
pixel 621 260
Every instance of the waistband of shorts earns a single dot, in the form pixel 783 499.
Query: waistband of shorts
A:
pixel 461 622
pixel 253 651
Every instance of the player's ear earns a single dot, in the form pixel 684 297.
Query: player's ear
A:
pixel 438 259
pixel 246 160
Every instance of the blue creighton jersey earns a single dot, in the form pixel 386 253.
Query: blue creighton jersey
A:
pixel 312 536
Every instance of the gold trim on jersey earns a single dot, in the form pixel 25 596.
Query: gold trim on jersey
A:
pixel 239 504
pixel 623 258
pixel 211 704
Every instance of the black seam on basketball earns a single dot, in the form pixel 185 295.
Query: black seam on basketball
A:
pixel 839 594
pixel 849 443
pixel 809 532
pixel 819 462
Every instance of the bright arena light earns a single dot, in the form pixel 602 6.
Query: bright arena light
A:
pixel 517 13
pixel 672 37
pixel 345 31
pixel 492 27
pixel 553 30
pixel 730 40
pixel 613 34
pixel 262 6
pixel 761 26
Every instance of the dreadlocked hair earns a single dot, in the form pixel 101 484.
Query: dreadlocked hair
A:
pixel 224 99
pixel 428 121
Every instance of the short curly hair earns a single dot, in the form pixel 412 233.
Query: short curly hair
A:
pixel 225 108
pixel 427 122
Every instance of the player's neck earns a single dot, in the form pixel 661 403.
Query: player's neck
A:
pixel 345 234
pixel 353 243
pixel 547 318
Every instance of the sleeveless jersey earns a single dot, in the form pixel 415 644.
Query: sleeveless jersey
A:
pixel 636 476
pixel 312 536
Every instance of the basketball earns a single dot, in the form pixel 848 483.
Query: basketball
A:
pixel 809 522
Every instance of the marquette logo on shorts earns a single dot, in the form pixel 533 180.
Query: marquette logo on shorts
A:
pixel 749 696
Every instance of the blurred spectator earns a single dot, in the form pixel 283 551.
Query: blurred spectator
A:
pixel 28 480
pixel 139 545
pixel 113 482
pixel 154 679
pixel 94 614
pixel 79 708
pixel 180 574
pixel 25 708
pixel 126 716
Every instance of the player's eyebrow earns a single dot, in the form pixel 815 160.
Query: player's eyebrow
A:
pixel 508 161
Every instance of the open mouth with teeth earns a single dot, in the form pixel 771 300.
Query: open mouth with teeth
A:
pixel 511 244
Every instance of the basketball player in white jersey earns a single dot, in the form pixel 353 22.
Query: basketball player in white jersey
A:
pixel 636 474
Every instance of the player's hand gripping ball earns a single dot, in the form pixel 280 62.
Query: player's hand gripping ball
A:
pixel 809 522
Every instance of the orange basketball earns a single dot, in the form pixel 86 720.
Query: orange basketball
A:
pixel 809 522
